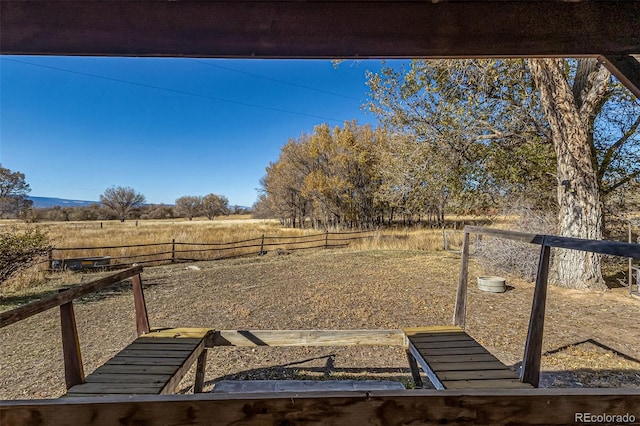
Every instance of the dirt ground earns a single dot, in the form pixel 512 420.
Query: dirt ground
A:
pixel 591 339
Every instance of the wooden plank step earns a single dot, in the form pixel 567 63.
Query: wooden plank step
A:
pixel 135 369
pixel 467 366
pixel 428 338
pixel 128 352
pixel 487 384
pixel 144 361
pixel 446 345
pixel 150 344
pixel 433 329
pixel 146 339
pixel 460 358
pixel 129 378
pixel 177 333
pixel 477 375
pixel 114 388
pixel 459 351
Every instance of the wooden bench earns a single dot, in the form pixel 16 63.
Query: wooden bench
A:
pixel 452 359
pixel 153 364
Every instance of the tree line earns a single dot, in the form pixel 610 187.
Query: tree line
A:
pixel 116 203
pixel 557 135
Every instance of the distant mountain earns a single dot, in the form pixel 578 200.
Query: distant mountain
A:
pixel 45 202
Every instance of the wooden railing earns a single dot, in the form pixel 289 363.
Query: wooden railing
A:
pixel 73 369
pixel 530 372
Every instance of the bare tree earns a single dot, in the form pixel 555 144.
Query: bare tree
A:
pixel 121 200
pixel 215 205
pixel 189 206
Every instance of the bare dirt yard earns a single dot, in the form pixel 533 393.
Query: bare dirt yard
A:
pixel 591 339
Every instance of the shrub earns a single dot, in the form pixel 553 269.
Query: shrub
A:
pixel 21 249
pixel 514 257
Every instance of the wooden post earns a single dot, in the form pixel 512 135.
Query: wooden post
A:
pixel 445 243
pixel 415 371
pixel 200 369
pixel 530 372
pixel 631 267
pixel 142 319
pixel 173 250
pixel 262 245
pixel 460 314
pixel 73 369
pixel 326 239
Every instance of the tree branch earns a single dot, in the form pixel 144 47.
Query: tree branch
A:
pixel 608 156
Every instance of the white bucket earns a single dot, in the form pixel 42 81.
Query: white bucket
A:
pixel 492 284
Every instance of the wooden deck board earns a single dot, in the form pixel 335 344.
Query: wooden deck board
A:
pixel 486 384
pixel 454 360
pixel 129 378
pixel 153 364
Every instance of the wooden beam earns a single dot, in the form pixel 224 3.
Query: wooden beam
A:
pixel 319 29
pixel 33 308
pixel 460 314
pixel 530 372
pixel 200 372
pixel 614 248
pixel 626 68
pixel 488 407
pixel 73 369
pixel 142 318
pixel 308 338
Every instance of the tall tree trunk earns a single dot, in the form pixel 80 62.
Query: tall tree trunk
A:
pixel 571 112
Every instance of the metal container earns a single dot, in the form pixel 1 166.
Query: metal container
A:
pixel 492 284
pixel 81 263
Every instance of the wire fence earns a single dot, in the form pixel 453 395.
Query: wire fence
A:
pixel 121 256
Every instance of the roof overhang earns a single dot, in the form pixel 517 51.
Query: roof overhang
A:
pixel 328 29
pixel 320 29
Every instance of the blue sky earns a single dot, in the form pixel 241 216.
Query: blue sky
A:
pixel 185 127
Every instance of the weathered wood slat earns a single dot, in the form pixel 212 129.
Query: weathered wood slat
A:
pixel 443 338
pixel 115 388
pixel 177 346
pixel 459 358
pixel 452 407
pixel 177 333
pixel 135 369
pixel 66 296
pixel 614 248
pixel 486 384
pixel 459 351
pixel 186 365
pixel 446 345
pixel 460 366
pixel 308 338
pixel 477 375
pixel 129 378
pixel 432 329
pixel 128 353
pixel 166 341
pixel 144 361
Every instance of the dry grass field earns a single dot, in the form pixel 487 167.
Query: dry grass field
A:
pixel 399 279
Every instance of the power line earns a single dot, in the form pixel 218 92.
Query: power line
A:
pixel 180 92
pixel 288 83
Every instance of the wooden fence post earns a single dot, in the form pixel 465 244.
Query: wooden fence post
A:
pixel 73 369
pixel 326 239
pixel 262 245
pixel 460 314
pixel 631 266
pixel 173 251
pixel 142 319
pixel 530 372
